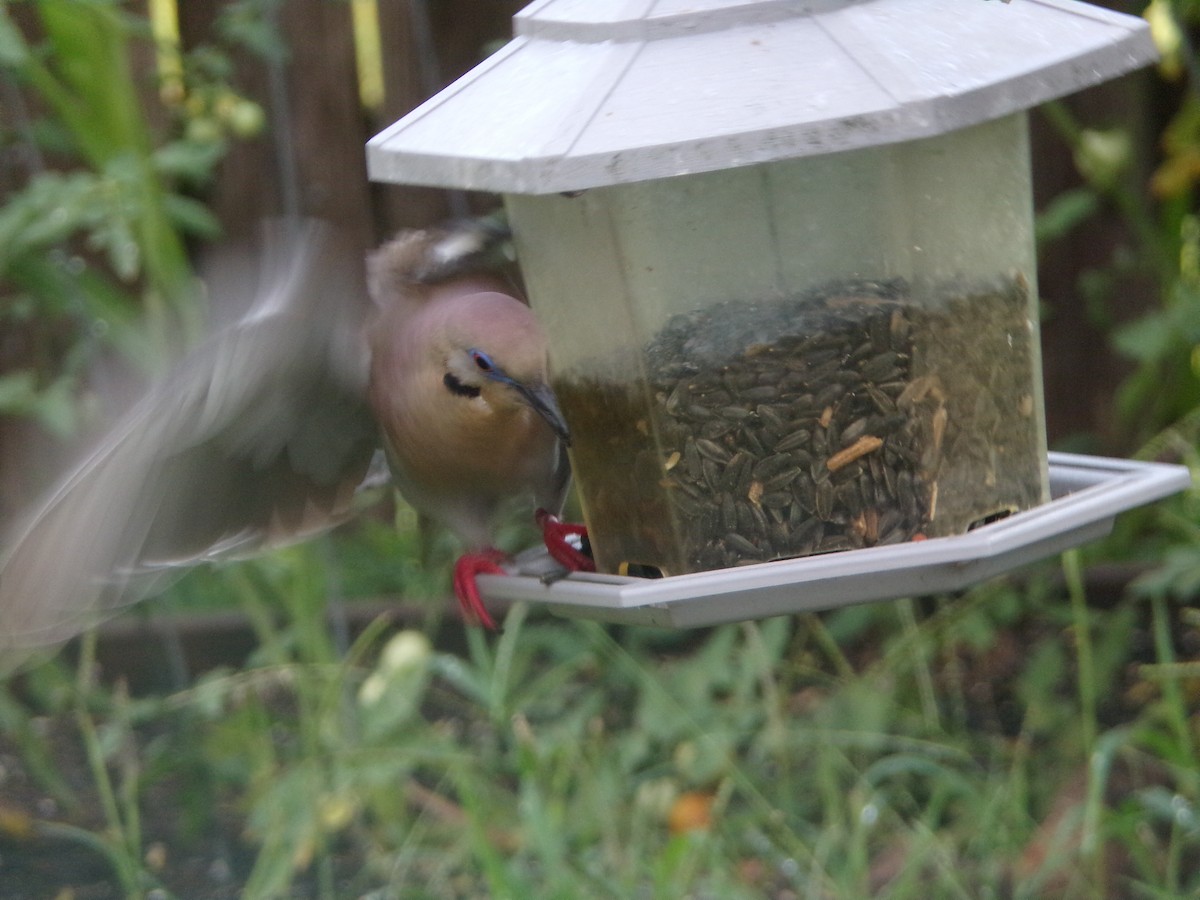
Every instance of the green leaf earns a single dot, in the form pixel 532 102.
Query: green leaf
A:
pixel 1065 213
pixel 1146 339
pixel 57 409
pixel 250 23
pixel 1177 576
pixel 17 391
pixel 13 50
pixel 189 160
pixel 192 217
pixel 53 406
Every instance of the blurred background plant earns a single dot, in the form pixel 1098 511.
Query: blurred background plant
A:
pixel 1034 737
pixel 100 165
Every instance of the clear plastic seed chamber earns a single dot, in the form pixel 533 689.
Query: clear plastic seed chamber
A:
pixel 783 254
pixel 825 353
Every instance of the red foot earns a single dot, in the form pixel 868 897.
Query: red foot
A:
pixel 486 562
pixel 555 533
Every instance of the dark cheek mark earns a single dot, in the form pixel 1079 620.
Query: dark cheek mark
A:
pixel 457 387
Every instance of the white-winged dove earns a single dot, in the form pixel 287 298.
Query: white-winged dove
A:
pixel 265 435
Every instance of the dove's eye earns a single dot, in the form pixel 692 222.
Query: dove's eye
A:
pixel 483 361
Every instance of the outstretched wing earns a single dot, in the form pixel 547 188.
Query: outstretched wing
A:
pixel 259 438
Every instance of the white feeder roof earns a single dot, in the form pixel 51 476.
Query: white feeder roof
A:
pixel 601 92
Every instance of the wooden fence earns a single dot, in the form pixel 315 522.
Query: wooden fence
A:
pixel 313 158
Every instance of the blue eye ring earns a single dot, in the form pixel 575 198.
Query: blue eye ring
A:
pixel 483 361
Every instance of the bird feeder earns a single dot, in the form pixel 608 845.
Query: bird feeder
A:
pixel 783 252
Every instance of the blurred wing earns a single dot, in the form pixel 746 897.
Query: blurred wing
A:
pixel 260 438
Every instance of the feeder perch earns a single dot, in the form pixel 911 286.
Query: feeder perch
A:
pixel 783 252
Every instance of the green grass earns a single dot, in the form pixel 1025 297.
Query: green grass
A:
pixel 1001 743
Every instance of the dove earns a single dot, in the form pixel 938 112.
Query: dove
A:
pixel 459 384
pixel 422 367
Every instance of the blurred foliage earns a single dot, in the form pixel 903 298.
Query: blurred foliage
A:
pixel 1164 390
pixel 1016 741
pixel 97 207
pixel 568 759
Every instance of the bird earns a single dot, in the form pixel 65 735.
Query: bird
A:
pixel 459 384
pixel 419 366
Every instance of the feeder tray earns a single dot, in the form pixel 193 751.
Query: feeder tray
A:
pixel 1087 494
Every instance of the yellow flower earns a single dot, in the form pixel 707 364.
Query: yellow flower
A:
pixel 1167 37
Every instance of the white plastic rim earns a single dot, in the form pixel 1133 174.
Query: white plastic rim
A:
pixel 1088 493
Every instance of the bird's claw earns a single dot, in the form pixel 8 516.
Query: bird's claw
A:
pixel 470 565
pixel 556 534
